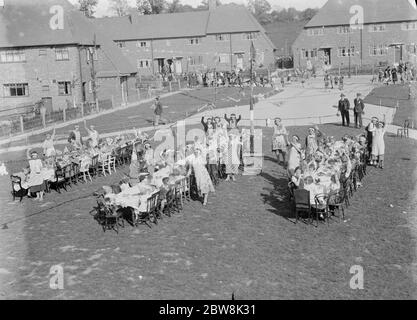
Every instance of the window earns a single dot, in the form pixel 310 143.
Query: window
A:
pixel 92 51
pixel 346 52
pixel 16 90
pixel 198 60
pixel 42 52
pixel 222 37
pixel 45 87
pixel 406 26
pixel 194 41
pixel 144 63
pixel 304 53
pixel 12 56
pixel 250 36
pixel 223 58
pixel 315 31
pixel 121 44
pixel 313 53
pixel 411 48
pixel 61 54
pixel 142 44
pixel 378 50
pixel 64 88
pixel 344 29
pixel 377 28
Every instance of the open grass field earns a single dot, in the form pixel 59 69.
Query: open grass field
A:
pixel 242 242
pixel 180 105
pixel 389 96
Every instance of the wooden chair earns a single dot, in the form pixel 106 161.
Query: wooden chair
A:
pixel 320 207
pixel 60 181
pixel 94 167
pixel 117 154
pixel 112 163
pixel 103 166
pixel 108 216
pixel 17 189
pixel 67 173
pixel 404 131
pixel 337 202
pixel 85 171
pixel 291 188
pixel 75 172
pixel 302 202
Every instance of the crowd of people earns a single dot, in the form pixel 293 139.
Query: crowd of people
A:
pixel 404 72
pixel 321 164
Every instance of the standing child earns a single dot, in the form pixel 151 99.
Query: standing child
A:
pixel 378 145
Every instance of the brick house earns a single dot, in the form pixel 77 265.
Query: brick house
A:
pixel 47 49
pixel 184 42
pixel 389 35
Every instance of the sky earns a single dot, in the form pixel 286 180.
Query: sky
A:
pixel 103 6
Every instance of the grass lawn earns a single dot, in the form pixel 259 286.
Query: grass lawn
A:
pixel 179 105
pixel 389 96
pixel 242 242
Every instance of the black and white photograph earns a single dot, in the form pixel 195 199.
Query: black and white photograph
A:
pixel 208 150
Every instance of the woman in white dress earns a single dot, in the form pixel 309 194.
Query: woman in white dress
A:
pixel 48 145
pixel 378 145
pixel 197 164
pixel 295 155
pixel 36 179
pixel 279 141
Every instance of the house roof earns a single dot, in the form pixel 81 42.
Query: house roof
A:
pixel 26 23
pixel 229 18
pixel 337 12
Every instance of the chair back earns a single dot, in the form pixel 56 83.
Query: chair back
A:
pixel 337 198
pixel 152 202
pixel 67 171
pixel 94 162
pixel 75 169
pixel 321 199
pixel 302 198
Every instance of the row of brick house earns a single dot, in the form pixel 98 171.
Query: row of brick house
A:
pixel 218 38
pixel 50 52
pixel 388 35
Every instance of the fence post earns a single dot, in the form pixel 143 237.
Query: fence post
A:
pixel 112 101
pixel 138 91
pixel 170 87
pixel 97 108
pixel 22 127
pixel 82 110
pixel 64 113
pixel 179 84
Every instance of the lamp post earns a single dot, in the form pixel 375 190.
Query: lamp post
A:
pixel 349 51
pixel 252 120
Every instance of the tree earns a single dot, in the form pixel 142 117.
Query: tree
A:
pixel 205 5
pixel 151 6
pixel 308 14
pixel 261 10
pixel 174 6
pixel 121 7
pixel 87 7
pixel 143 6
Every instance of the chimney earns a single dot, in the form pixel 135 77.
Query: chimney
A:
pixel 212 4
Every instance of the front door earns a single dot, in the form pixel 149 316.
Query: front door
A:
pixel 239 61
pixel 178 66
pixel 397 54
pixel 160 64
pixel 327 56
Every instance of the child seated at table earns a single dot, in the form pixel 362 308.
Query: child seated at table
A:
pixel 163 191
pixel 310 186
pixel 297 178
pixel 334 184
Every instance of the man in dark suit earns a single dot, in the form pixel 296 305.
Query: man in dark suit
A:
pixel 358 110
pixel 344 106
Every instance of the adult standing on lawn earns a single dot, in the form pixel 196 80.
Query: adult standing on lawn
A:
pixel 358 110
pixel 344 106
pixel 158 111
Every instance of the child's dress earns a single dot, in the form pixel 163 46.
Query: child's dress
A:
pixel 378 144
